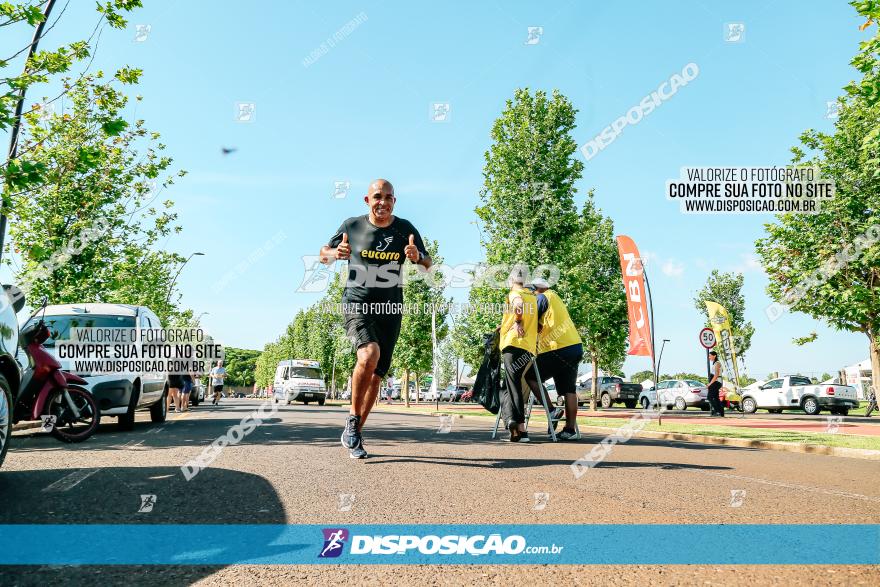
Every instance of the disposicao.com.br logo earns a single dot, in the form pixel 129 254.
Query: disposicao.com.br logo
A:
pixel 394 544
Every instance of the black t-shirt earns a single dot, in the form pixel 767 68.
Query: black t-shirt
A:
pixel 376 258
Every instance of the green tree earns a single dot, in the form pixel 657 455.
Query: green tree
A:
pixel 726 289
pixel 527 204
pixel 640 376
pixel 691 376
pixel 447 360
pixel 827 265
pixel 414 350
pixel 868 87
pixel 266 363
pixel 89 230
pixel 595 293
pixel 39 68
pixel 240 366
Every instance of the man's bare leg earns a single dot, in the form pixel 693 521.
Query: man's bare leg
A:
pixel 571 410
pixel 371 399
pixel 364 381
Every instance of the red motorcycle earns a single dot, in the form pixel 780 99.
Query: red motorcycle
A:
pixel 50 394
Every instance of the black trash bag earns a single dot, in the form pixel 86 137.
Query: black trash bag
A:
pixel 487 384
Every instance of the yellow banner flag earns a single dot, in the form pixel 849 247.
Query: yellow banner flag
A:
pixel 719 319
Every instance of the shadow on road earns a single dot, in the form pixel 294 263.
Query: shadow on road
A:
pixel 504 463
pixel 113 495
pixel 198 433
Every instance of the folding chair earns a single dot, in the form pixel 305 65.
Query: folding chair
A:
pixel 528 408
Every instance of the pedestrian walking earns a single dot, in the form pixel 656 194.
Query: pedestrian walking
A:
pixel 174 385
pixel 715 387
pixel 185 390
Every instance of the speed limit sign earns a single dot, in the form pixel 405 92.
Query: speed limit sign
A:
pixel 707 338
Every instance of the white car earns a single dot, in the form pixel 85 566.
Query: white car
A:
pixel 676 393
pixel 443 395
pixel 118 394
pixel 796 392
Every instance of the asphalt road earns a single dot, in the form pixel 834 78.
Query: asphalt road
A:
pixel 292 470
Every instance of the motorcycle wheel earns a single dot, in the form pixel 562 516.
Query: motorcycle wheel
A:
pixel 67 428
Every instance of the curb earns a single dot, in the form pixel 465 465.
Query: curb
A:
pixel 816 449
pixel 26 425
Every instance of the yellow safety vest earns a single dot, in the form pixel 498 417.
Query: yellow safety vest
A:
pixel 509 337
pixel 557 329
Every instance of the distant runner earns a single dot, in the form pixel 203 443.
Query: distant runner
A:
pixel 218 374
pixel 375 246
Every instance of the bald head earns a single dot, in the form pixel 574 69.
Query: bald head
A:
pixel 380 185
pixel 380 199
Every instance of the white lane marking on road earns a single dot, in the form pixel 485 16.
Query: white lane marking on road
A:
pixel 795 486
pixel 68 482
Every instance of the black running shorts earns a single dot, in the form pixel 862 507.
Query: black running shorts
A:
pixel 561 365
pixel 383 329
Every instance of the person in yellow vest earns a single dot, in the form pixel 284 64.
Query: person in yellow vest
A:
pixel 560 351
pixel 518 343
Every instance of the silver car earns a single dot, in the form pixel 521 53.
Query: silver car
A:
pixel 677 393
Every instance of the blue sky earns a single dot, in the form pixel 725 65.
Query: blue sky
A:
pixel 361 110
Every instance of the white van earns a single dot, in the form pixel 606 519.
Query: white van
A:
pixel 299 380
pixel 119 394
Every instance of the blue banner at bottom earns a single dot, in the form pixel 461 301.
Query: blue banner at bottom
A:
pixel 439 544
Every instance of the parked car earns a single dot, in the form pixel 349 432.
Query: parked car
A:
pixel 117 394
pixel 10 372
pixel 614 390
pixel 678 393
pixel 554 396
pixel 460 390
pixel 795 392
pixel 197 395
pixel 443 395
pixel 584 393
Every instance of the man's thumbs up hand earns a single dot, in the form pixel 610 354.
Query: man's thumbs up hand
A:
pixel 411 252
pixel 343 251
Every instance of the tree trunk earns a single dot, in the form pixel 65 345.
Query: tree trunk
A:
pixel 404 387
pixel 875 361
pixel 595 381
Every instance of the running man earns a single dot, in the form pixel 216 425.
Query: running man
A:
pixel 218 374
pixel 375 246
pixel 560 351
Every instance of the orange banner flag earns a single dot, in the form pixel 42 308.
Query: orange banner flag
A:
pixel 636 297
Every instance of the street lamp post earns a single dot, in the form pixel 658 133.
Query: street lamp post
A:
pixel 660 358
pixel 176 275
